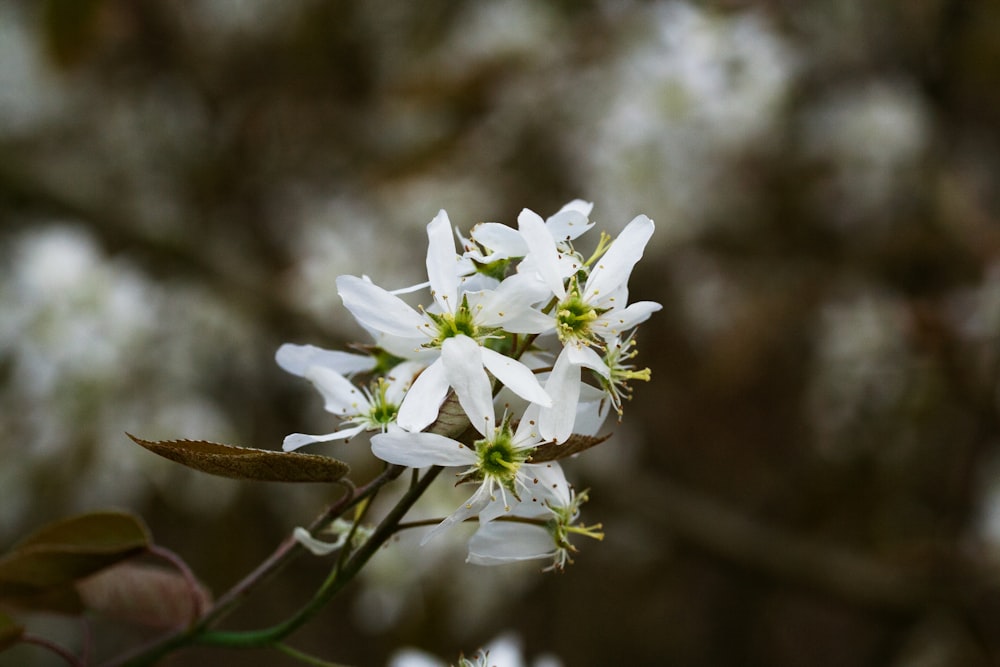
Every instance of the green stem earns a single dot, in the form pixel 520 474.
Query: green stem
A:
pixel 305 657
pixel 335 582
pixel 286 551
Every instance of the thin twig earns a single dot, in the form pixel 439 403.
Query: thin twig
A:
pixel 63 653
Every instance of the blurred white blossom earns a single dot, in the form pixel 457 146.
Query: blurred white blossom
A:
pixel 504 651
pixel 692 90
pixel 872 135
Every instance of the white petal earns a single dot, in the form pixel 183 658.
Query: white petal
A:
pixel 615 322
pixel 418 450
pixel 441 262
pixel 296 440
pixel 504 241
pixel 468 509
pixel 463 363
pixel 405 348
pixel 476 282
pixel 500 503
pixel 568 224
pixel 548 483
pixel 317 547
pixel 542 248
pixel 410 289
pixel 583 355
pixel 341 396
pixel 516 376
pixel 584 207
pixel 592 410
pixel 411 657
pixel 556 423
pixel 378 309
pixel 527 433
pixel 296 358
pixel 421 404
pixel 501 542
pixel 615 267
pixel 509 305
pixel 400 377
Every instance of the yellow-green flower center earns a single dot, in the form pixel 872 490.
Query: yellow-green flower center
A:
pixel 382 412
pixel 498 458
pixel 459 323
pixel 574 317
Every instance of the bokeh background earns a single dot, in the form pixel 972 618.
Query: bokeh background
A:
pixel 812 476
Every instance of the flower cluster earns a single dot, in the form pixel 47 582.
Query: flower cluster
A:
pixel 518 357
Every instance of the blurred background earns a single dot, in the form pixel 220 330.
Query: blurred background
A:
pixel 812 476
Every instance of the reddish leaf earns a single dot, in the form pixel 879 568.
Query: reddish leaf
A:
pixel 145 594
pixel 10 632
pixel 38 570
pixel 574 445
pixel 246 463
pixel 66 550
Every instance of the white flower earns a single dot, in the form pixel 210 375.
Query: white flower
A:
pixel 296 359
pixel 500 542
pixel 500 462
pixel 341 528
pixel 504 651
pixel 458 326
pixel 491 245
pixel 361 409
pixel 585 317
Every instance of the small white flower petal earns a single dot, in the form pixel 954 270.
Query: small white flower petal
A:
pixel 463 363
pixel 542 248
pixel 400 377
pixel 419 450
pixel 468 509
pixel 615 322
pixel 296 440
pixel 556 422
pixel 318 547
pixel 442 262
pixel 422 402
pixel 297 358
pixel 568 224
pixel 592 410
pixel 549 483
pixel 579 205
pixel 503 241
pixel 341 397
pixel 515 376
pixel 376 308
pixel 614 268
pixel 411 657
pixel 527 433
pixel 509 305
pixel 410 289
pixel 501 542
pixel 497 507
pixel 582 355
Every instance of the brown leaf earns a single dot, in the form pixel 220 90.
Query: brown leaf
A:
pixel 574 445
pixel 145 594
pixel 262 465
